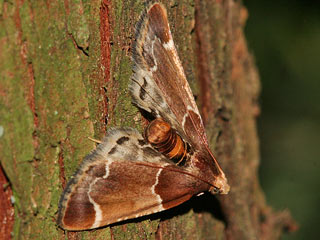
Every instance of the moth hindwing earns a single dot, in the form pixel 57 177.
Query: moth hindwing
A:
pixel 130 175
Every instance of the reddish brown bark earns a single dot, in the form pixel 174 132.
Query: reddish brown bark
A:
pixel 6 208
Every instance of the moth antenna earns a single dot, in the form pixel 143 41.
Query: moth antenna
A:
pixel 95 140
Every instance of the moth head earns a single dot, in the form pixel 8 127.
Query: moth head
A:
pixel 220 186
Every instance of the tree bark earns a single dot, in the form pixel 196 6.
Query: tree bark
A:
pixel 65 68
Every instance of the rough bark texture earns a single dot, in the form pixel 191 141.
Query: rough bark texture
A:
pixel 65 67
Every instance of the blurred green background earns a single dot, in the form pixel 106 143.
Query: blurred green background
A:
pixel 284 37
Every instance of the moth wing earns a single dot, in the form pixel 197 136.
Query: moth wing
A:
pixel 160 87
pixel 159 84
pixel 123 178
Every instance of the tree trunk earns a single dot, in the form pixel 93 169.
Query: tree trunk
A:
pixel 65 68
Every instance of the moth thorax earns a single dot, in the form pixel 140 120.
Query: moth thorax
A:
pixel 165 139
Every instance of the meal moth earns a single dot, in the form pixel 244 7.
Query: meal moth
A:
pixel 131 175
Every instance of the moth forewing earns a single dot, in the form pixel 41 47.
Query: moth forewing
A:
pixel 124 178
pixel 160 87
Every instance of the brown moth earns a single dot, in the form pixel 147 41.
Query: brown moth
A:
pixel 130 175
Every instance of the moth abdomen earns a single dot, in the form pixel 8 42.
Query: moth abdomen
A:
pixel 165 140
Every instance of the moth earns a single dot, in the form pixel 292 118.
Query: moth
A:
pixel 131 175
